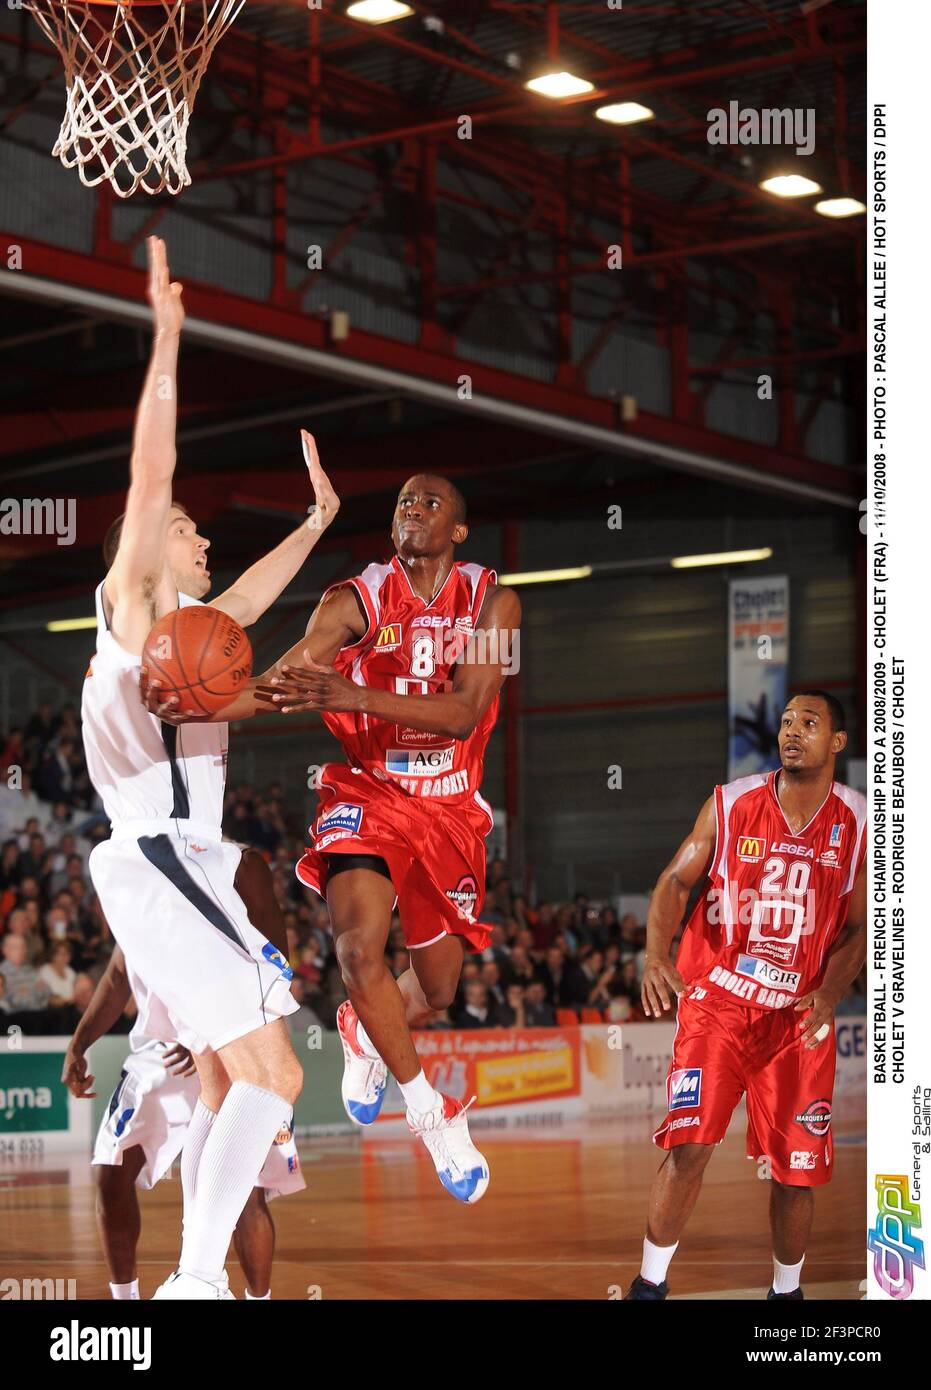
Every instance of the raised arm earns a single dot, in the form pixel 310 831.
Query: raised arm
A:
pixel 479 675
pixel 258 588
pixel 687 867
pixel 137 571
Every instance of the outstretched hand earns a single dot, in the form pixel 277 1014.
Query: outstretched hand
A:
pixel 326 502
pixel 164 294
pixel 310 687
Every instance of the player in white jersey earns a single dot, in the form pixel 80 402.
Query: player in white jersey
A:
pixel 200 970
pixel 151 1109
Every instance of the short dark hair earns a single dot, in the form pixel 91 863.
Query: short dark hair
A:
pixel 111 541
pixel 456 497
pixel 835 708
pixel 459 502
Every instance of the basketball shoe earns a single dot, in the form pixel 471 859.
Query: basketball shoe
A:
pixel 180 1285
pixel 641 1290
pixel 364 1075
pixel 462 1170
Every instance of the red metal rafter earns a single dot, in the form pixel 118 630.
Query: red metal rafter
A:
pixel 287 325
pixel 648 258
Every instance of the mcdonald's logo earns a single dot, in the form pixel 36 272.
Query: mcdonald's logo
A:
pixel 388 638
pixel 749 847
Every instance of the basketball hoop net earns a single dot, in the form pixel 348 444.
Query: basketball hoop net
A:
pixel 132 70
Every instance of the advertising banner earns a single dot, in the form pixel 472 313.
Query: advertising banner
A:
pixel 758 657
pixel 37 1113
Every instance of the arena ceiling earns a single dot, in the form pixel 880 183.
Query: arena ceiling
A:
pixel 482 256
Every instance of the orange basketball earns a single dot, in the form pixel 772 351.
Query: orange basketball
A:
pixel 199 654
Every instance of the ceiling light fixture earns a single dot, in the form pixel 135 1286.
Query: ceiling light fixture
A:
pixel 558 85
pixel 378 11
pixel 839 207
pixel 624 113
pixel 790 186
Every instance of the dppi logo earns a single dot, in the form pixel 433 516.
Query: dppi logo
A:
pixel 897 1251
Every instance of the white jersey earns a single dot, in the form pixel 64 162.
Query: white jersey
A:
pixel 146 770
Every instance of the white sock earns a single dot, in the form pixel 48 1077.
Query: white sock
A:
pixel 257 1297
pixel 365 1042
pixel 419 1095
pixel 656 1261
pixel 786 1278
pixel 125 1290
pixel 197 1135
pixel 232 1158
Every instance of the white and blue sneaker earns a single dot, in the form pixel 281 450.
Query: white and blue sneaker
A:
pixel 364 1076
pixel 179 1285
pixel 462 1170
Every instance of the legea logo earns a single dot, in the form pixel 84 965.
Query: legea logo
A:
pixel 897 1252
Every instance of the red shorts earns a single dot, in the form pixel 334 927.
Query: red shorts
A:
pixel 435 852
pixel 723 1049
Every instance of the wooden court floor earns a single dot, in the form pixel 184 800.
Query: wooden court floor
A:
pixel 563 1218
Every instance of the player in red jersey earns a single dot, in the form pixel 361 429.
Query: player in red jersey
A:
pixel 405 662
pixel 770 948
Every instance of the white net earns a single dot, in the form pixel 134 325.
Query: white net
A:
pixel 132 71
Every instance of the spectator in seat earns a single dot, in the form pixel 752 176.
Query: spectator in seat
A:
pixel 20 924
pixel 11 868
pixel 520 968
pixel 56 774
pixel 491 976
pixel 609 928
pixel 625 1006
pixel 629 928
pixel 538 1012
pixel 477 1011
pixel 510 1014
pixel 545 927
pixel 26 992
pixel 58 975
pixel 554 976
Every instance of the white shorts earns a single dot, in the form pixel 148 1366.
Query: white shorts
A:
pixel 152 1109
pixel 203 973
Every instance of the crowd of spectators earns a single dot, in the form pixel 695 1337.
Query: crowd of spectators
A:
pixel 547 963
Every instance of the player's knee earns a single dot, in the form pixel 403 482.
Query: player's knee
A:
pixel 360 962
pixel 791 1192
pixel 440 995
pixel 291 1080
pixel 688 1159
